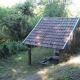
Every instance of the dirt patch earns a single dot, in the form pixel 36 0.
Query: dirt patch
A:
pixel 11 75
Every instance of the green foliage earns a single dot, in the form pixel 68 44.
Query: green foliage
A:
pixel 11 48
pixel 2 36
pixel 16 47
pixel 1 53
pixel 25 9
pixel 2 14
pixel 55 9
pixel 43 2
pixel 65 78
pixel 4 51
pixel 17 21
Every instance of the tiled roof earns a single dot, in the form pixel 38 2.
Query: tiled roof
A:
pixel 52 32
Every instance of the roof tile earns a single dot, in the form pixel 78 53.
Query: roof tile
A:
pixel 52 32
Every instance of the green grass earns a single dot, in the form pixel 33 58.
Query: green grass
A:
pixel 16 67
pixel 20 61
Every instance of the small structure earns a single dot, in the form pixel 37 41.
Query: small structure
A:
pixel 55 32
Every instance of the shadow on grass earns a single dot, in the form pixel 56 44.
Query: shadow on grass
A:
pixel 65 71
pixel 16 67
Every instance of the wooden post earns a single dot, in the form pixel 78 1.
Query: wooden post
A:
pixel 29 54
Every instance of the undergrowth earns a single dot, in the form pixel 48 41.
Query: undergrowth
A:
pixel 17 67
pixel 12 48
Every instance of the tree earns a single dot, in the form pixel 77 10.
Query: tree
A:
pixel 2 14
pixel 17 21
pixel 43 2
pixel 56 8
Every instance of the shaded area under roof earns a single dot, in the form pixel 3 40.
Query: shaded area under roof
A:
pixel 52 32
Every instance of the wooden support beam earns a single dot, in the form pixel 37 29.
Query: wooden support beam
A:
pixel 29 54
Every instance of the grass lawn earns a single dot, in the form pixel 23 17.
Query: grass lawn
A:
pixel 16 67
pixel 19 63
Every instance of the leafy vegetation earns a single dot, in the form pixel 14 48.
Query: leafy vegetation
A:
pixel 57 8
pixel 11 48
pixel 18 21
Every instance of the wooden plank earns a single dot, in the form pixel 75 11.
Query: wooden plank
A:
pixel 29 54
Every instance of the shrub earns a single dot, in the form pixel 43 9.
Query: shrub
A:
pixel 5 49
pixel 21 47
pixel 16 47
pixel 1 53
pixel 11 48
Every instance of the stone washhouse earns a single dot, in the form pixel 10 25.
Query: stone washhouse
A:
pixel 59 33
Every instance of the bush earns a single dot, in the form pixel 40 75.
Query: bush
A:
pixel 16 47
pixel 21 47
pixel 11 48
pixel 1 53
pixel 4 51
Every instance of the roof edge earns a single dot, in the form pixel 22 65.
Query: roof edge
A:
pixel 71 33
pixel 32 30
pixel 60 17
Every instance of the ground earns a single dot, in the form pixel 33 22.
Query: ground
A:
pixel 16 67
